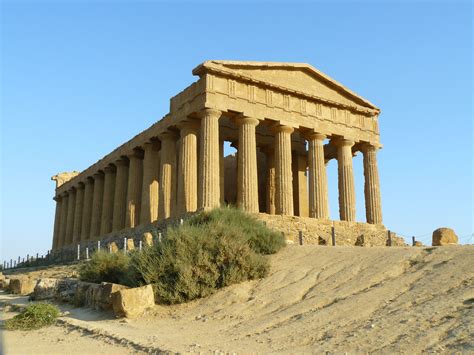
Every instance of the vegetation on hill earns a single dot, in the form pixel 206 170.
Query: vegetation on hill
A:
pixel 209 251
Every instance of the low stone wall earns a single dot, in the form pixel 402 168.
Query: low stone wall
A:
pixel 316 231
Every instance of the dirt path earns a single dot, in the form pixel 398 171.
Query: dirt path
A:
pixel 319 299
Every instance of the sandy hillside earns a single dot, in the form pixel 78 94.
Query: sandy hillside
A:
pixel 318 299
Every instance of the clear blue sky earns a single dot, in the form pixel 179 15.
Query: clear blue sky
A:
pixel 79 78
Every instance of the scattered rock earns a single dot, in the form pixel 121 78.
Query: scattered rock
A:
pixel 98 296
pixel 22 285
pixel 5 284
pixel 66 290
pixel 133 302
pixel 288 241
pixel 113 247
pixel 444 236
pixel 130 244
pixel 45 289
pixel 147 239
pixel 418 244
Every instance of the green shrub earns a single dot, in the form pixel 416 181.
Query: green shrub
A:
pixel 34 316
pixel 104 266
pixel 260 238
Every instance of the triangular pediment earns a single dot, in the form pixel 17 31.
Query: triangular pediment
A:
pixel 299 77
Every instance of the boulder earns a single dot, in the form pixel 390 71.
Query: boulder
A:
pixel 99 296
pixel 4 284
pixel 113 248
pixel 22 285
pixel 418 244
pixel 133 302
pixel 130 244
pixel 45 289
pixel 81 293
pixel 66 289
pixel 444 236
pixel 147 239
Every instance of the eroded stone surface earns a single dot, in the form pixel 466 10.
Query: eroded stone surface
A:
pixel 22 285
pixel 444 236
pixel 133 302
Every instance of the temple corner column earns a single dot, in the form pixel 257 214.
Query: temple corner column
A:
pixel 373 204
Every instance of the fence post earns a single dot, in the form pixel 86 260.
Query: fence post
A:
pixel 78 251
pixel 413 241
pixel 125 245
pixel 110 248
pixel 389 238
pixel 87 253
pixel 181 221
pixel 159 237
pixel 300 236
pixel 333 236
pixel 140 245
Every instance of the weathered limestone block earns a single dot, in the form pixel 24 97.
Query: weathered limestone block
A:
pixel 133 302
pixel 113 247
pixel 45 289
pixel 81 292
pixel 418 244
pixel 444 236
pixel 130 244
pixel 66 289
pixel 4 284
pixel 147 239
pixel 22 285
pixel 99 296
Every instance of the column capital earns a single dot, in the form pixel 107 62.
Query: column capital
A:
pixel 72 189
pixel 135 154
pixel 313 135
pixel 210 112
pixel 110 169
pixel 369 147
pixel 242 119
pixel 98 175
pixel 89 180
pixel 342 142
pixel 282 128
pixel 121 162
pixel 80 186
pixel 168 135
pixel 153 144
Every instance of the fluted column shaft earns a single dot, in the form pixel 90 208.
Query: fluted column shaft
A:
pixel 134 190
pixel 120 195
pixel 108 200
pixel 150 188
pixel 318 185
pixel 270 180
pixel 57 221
pixel 63 220
pixel 87 209
pixel 97 200
pixel 300 184
pixel 283 173
pixel 76 230
pixel 247 181
pixel 71 206
pixel 167 199
pixel 347 207
pixel 209 176
pixel 187 179
pixel 221 172
pixel 373 204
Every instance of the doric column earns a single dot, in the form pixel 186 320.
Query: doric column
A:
pixel 108 200
pixel 150 188
pixel 134 190
pixel 318 185
pixel 76 230
pixel 71 206
pixel 187 179
pixel 87 209
pixel 63 220
pixel 97 200
pixel 221 172
pixel 247 180
pixel 209 175
pixel 283 173
pixel 270 179
pixel 347 208
pixel 167 199
pixel 120 195
pixel 57 221
pixel 300 184
pixel 373 205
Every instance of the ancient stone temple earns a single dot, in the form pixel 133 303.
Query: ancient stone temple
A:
pixel 286 122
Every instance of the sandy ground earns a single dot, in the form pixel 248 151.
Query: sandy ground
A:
pixel 316 299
